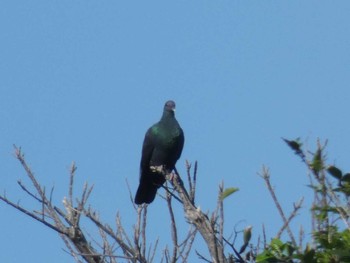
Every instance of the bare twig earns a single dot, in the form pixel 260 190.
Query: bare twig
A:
pixel 196 217
pixel 152 255
pixel 28 192
pixel 194 181
pixel 71 182
pixel 108 230
pixel 297 207
pixel 202 257
pixel 187 245
pixel 188 172
pixel 301 236
pixel 170 193
pixel 173 229
pixel 266 176
pixel 264 236
pixel 143 230
pixel 240 259
pixel 70 248
pixel 220 206
pixel 32 215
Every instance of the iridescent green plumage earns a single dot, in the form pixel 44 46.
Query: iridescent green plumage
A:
pixel 162 145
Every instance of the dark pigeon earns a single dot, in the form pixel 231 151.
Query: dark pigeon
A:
pixel 162 145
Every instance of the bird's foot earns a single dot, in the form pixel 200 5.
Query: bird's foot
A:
pixel 158 169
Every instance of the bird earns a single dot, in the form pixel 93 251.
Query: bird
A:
pixel 162 146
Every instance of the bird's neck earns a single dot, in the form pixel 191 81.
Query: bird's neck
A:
pixel 168 115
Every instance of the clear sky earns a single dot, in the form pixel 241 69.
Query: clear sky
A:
pixel 83 80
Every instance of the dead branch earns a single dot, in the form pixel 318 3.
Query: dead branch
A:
pixel 266 176
pixel 196 217
pixel 52 217
pixel 32 215
pixel 130 252
pixel 118 244
pixel 296 208
pixel 239 258
pixel 173 229
pixel 187 245
pixel 220 206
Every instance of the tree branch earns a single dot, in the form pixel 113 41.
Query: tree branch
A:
pixel 266 176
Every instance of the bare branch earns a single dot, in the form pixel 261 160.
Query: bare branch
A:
pixel 202 257
pixel 128 251
pixel 20 156
pixel 196 217
pixel 297 207
pixel 173 228
pixel 153 254
pixel 107 247
pixel 220 206
pixel 70 248
pixel 264 236
pixel 71 182
pixel 32 215
pixel 143 230
pixel 28 192
pixel 83 247
pixel 194 181
pixel 188 172
pixel 240 259
pixel 266 176
pixel 187 245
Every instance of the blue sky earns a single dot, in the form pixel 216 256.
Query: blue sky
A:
pixel 83 80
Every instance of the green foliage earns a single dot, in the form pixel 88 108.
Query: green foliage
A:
pixel 330 238
pixel 317 161
pixel 332 246
pixel 277 251
pixel 335 172
pixel 227 192
pixel 346 178
pixel 247 235
pixel 295 145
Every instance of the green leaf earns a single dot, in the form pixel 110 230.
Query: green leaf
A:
pixel 294 145
pixel 335 172
pixel 265 257
pixel 345 189
pixel 289 249
pixel 227 192
pixel 276 242
pixel 317 162
pixel 346 178
pixel 276 246
pixel 314 187
pixel 309 254
pixel 247 234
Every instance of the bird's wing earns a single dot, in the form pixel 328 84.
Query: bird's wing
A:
pixel 180 144
pixel 147 150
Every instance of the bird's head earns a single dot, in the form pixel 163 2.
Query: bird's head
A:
pixel 170 106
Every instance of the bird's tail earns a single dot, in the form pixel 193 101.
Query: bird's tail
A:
pixel 148 187
pixel 145 193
